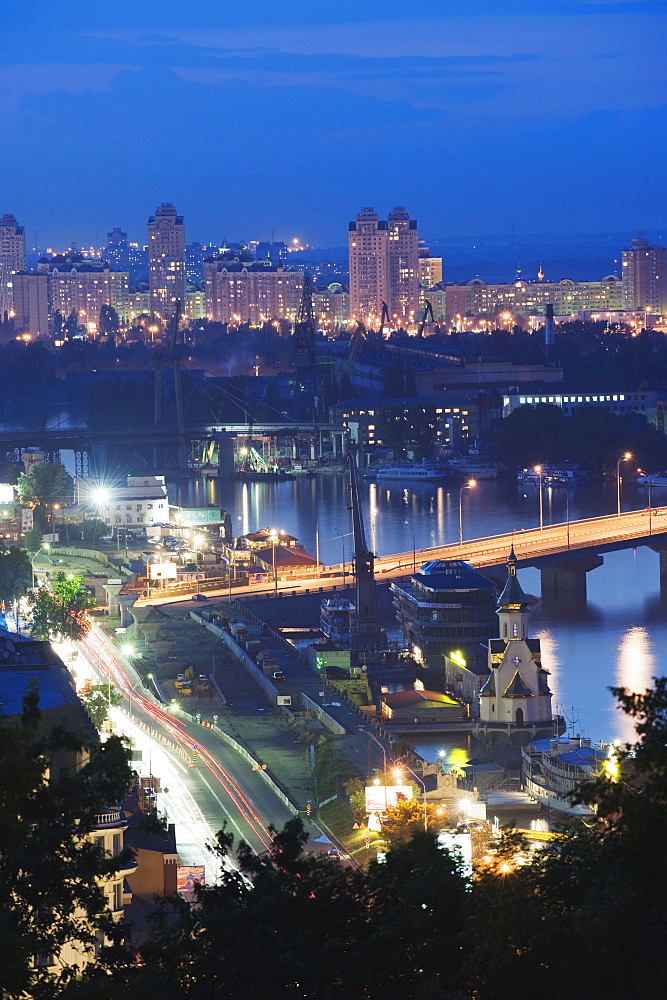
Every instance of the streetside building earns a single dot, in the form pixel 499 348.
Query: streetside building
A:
pixel 403 266
pixel 25 662
pixel 166 260
pixel 648 403
pixel 137 503
pixel 245 292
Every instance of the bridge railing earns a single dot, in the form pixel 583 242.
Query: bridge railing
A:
pixel 563 536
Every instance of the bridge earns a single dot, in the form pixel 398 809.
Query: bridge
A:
pixel 563 552
pixel 204 445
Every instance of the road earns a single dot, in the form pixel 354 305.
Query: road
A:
pixel 210 784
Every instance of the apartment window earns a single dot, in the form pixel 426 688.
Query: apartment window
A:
pixel 117 900
pixel 116 844
pixel 140 506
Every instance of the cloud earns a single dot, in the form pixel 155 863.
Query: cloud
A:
pixel 22 80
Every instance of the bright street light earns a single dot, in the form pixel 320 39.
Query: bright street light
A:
pixel 470 485
pixel 538 470
pixel 624 458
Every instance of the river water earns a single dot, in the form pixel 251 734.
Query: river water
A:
pixel 619 637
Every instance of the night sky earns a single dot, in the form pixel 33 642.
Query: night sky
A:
pixel 253 117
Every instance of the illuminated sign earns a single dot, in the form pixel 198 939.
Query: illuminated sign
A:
pixel 6 493
pixel 162 571
pixel 187 876
pixel 379 798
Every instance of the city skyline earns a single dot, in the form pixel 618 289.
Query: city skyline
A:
pixel 499 120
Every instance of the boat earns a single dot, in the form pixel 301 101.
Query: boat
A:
pixel 337 619
pixel 270 475
pixel 554 475
pixel 553 769
pixel 426 472
pixel 473 468
pixel 655 479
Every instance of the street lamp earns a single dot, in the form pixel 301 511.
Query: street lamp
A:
pixel 466 486
pixel 371 736
pixel 538 470
pixel 624 458
pixel 399 774
pixel 274 541
pixel 46 546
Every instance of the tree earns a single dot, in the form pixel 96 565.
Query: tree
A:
pixel 93 529
pixel 98 699
pixel 109 322
pixel 407 818
pixel 15 575
pixel 51 891
pixel 59 613
pixel 322 928
pixel 32 540
pixel 42 486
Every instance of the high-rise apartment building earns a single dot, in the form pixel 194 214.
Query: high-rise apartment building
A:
pixel 403 254
pixel 117 250
pixel 367 241
pixel 645 277
pixel 166 260
pixel 275 252
pixel 12 260
pixel 384 266
pixel 85 289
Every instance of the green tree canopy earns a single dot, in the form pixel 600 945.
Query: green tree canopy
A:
pixel 42 486
pixel 98 699
pixel 51 873
pixel 15 575
pixel 59 612
pixel 32 540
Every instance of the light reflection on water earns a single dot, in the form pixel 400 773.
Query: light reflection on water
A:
pixel 634 670
pixel 607 642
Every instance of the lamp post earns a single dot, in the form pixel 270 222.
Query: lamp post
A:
pixel 46 548
pixel 538 470
pixel 567 518
pixel 466 486
pixel 398 774
pixel 624 458
pixel 371 736
pixel 274 542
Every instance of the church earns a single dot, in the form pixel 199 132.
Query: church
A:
pixel 515 701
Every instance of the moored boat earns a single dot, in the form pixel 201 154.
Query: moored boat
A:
pixel 554 475
pixel 427 472
pixel 655 479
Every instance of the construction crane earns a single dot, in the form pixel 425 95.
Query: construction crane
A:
pixel 385 316
pixel 428 311
pixel 367 636
pixel 358 335
pixel 304 327
pixel 172 361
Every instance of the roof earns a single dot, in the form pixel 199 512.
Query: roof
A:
pixel 280 556
pixel 263 534
pixel 512 596
pixel 404 699
pixel 451 574
pixel 517 688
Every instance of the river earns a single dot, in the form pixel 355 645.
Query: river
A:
pixel 617 638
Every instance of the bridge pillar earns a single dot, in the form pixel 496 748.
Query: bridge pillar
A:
pixel 566 578
pixel 662 552
pixel 112 590
pixel 81 464
pixel 125 602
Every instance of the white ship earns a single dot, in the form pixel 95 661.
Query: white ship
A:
pixel 426 472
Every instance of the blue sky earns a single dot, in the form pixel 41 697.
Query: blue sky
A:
pixel 260 117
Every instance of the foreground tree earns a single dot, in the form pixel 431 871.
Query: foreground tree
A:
pixel 50 871
pixel 306 926
pixel 97 700
pixel 42 486
pixel 15 575
pixel 60 612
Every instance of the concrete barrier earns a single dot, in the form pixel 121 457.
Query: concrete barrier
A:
pixel 327 720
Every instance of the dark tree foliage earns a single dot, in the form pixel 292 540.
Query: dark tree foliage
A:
pixel 50 872
pixel 15 575
pixel 42 486
pixel 308 926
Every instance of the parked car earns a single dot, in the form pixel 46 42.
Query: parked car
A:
pixel 334 854
pixel 278 675
pixel 200 597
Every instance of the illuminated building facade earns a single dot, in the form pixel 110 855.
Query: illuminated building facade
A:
pixel 384 266
pixel 250 293
pixel 12 260
pixel 84 289
pixel 166 260
pixel 645 277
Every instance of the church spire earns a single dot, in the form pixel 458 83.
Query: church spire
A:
pixel 512 597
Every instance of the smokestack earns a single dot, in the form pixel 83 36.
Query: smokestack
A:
pixel 549 328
